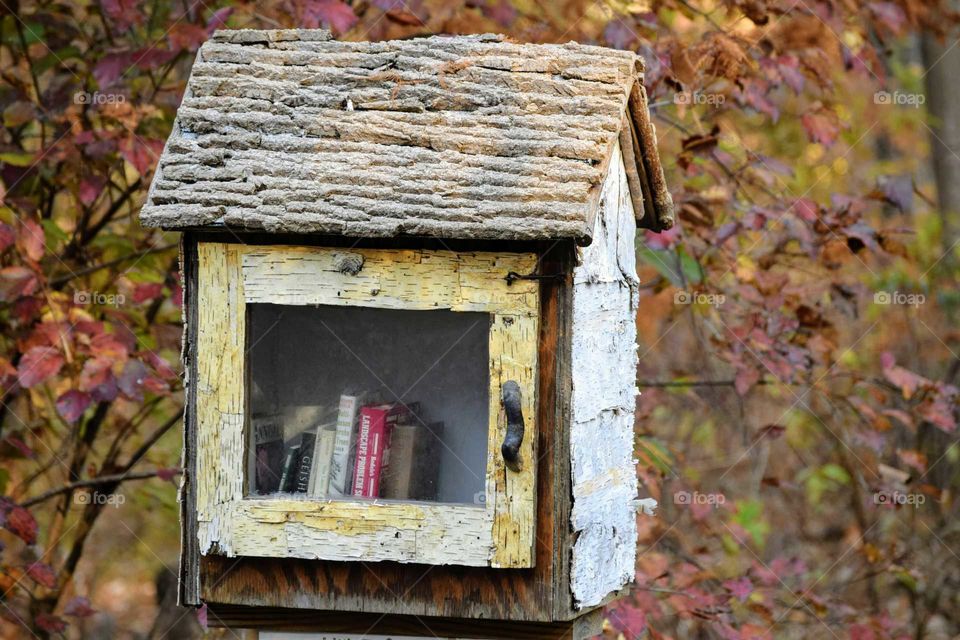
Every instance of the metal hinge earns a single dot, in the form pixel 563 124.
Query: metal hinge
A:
pixel 513 276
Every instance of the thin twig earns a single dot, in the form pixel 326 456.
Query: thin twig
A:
pixel 92 482
pixel 56 282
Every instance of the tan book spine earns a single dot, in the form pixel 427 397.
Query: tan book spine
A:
pixel 323 454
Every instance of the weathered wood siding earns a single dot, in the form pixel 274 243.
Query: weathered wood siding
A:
pixel 604 363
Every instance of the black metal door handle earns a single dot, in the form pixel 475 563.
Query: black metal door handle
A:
pixel 510 449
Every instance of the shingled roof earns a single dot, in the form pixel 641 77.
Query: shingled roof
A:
pixel 451 137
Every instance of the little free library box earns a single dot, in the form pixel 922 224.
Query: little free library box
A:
pixel 410 347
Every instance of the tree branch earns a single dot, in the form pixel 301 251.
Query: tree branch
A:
pixel 91 482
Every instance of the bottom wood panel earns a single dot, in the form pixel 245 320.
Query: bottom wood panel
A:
pixel 296 624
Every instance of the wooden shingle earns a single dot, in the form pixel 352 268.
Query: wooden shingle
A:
pixel 467 137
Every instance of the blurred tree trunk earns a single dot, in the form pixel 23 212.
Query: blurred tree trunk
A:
pixel 941 59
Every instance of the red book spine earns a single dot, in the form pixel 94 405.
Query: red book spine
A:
pixel 369 439
pixel 373 440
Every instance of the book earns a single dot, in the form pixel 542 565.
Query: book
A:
pixel 400 467
pixel 323 455
pixel 344 447
pixel 308 440
pixel 426 481
pixel 412 466
pixel 376 425
pixel 268 453
pixel 288 477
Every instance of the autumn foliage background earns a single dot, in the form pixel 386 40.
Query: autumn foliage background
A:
pixel 798 326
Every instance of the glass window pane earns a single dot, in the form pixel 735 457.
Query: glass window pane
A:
pixel 363 403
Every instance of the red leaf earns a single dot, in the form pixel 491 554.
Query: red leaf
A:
pixel 807 210
pixel 42 574
pixel 152 57
pixel 202 616
pixel 16 282
pixel 50 623
pixel 861 632
pixel 20 523
pixel 38 364
pixel 7 236
pixel 97 378
pixel 168 474
pixel 79 607
pixel 791 74
pixel 336 15
pixel 90 189
pixel 155 385
pixel 20 446
pixel 907 381
pixel 72 404
pixel 664 239
pixel 161 366
pixel 629 618
pixel 218 19
pixel 822 126
pixel 31 239
pixel 740 588
pixel 123 13
pixel 132 379
pixel 110 67
pixel 938 411
pixel 770 431
pixel 142 154
pixel 745 379
pixel 888 14
pixel 147 291
pixel 185 36
pixel 911 458
pixel 619 35
pixel 106 345
pixel 500 10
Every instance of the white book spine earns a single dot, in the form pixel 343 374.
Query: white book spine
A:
pixel 323 454
pixel 343 446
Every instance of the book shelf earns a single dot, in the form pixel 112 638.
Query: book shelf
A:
pixel 420 379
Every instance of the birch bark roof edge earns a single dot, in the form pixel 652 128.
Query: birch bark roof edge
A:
pixel 473 137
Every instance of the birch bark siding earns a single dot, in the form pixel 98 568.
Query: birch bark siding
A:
pixel 604 362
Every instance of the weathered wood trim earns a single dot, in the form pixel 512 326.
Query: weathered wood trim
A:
pixel 660 203
pixel 499 533
pixel 604 360
pixel 293 620
pixel 632 164
pixel 189 579
pixel 390 279
pixel 556 316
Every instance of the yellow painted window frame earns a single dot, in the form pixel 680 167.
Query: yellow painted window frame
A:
pixel 498 533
